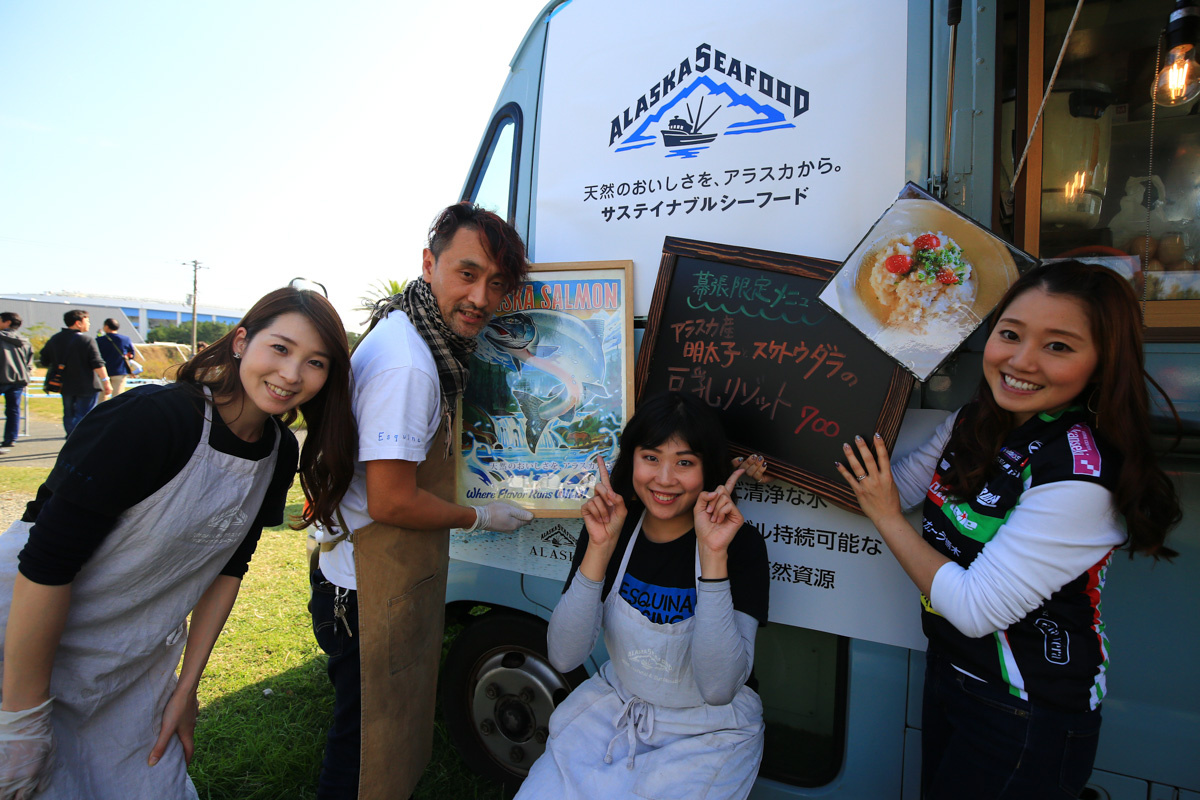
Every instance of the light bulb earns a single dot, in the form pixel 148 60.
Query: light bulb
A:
pixel 1179 81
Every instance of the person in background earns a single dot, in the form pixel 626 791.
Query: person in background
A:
pixel 122 543
pixel 678 581
pixel 387 559
pixel 116 349
pixel 1028 489
pixel 16 362
pixel 84 375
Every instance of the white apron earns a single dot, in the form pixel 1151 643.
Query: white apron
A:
pixel 115 666
pixel 640 728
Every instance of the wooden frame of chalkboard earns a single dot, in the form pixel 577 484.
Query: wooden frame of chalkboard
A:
pixel 792 380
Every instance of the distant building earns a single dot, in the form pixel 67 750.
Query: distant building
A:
pixel 136 315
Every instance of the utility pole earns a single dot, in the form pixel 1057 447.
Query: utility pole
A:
pixel 196 267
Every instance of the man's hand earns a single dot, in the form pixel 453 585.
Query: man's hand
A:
pixel 500 516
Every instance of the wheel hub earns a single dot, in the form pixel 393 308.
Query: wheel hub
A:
pixel 515 692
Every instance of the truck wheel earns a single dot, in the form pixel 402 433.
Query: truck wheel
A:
pixel 497 691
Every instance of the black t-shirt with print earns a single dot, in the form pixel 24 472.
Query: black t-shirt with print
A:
pixel 660 580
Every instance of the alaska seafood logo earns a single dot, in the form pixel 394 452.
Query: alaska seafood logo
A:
pixel 744 100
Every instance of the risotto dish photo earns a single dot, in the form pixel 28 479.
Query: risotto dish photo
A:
pixel 919 281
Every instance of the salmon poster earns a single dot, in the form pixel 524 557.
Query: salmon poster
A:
pixel 549 389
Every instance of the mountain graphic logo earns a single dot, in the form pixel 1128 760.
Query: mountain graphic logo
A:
pixel 558 536
pixel 725 98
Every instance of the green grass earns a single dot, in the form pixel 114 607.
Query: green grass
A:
pixel 23 480
pixel 251 746
pixel 44 407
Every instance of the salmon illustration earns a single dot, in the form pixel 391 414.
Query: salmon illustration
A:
pixel 558 344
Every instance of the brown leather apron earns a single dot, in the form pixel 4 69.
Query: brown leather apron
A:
pixel 401 610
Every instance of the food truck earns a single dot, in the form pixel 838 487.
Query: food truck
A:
pixel 790 127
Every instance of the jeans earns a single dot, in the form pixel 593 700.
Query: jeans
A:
pixel 981 742
pixel 75 406
pixel 339 770
pixel 12 411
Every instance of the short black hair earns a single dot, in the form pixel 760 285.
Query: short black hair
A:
pixel 112 324
pixel 657 419
pixel 74 315
pixel 11 317
pixel 502 241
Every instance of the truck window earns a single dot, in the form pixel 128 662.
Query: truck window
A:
pixel 494 176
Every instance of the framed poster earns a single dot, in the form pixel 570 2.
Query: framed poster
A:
pixel 922 280
pixel 742 329
pixel 549 389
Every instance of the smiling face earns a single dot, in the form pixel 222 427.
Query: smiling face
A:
pixel 466 282
pixel 1040 355
pixel 284 365
pixel 668 479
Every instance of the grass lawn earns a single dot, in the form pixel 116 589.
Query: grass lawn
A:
pixel 22 480
pixel 44 407
pixel 252 745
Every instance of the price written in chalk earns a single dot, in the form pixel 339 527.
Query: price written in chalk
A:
pixel 810 416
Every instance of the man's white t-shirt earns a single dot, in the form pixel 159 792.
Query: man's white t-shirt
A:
pixel 397 406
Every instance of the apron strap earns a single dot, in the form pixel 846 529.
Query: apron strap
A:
pixel 210 408
pixel 629 551
pixel 344 533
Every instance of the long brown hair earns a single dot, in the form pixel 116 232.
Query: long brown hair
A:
pixel 1116 400
pixel 330 446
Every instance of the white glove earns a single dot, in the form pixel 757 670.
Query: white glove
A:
pixel 26 751
pixel 499 516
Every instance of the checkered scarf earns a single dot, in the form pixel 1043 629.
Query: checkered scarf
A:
pixel 451 352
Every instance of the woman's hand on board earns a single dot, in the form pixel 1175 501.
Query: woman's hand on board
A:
pixel 717 518
pixel 604 512
pixel 179 717
pixel 754 465
pixel 870 476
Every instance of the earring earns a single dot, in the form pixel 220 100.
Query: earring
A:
pixel 1091 397
pixel 237 355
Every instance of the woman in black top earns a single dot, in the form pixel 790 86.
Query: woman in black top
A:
pixel 151 513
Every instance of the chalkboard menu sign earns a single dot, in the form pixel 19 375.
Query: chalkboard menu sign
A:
pixel 792 380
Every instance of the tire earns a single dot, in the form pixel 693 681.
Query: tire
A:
pixel 497 691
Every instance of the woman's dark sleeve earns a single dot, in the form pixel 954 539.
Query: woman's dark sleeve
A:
pixel 122 451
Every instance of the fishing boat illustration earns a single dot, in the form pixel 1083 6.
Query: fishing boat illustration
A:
pixel 679 133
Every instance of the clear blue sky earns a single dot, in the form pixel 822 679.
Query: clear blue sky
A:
pixel 268 139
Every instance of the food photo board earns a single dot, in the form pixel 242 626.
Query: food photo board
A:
pixel 742 329
pixel 922 280
pixel 549 388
